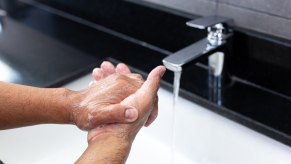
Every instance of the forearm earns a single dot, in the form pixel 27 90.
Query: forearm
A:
pixel 106 148
pixel 23 106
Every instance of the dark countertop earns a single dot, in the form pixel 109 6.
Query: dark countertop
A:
pixel 55 41
pixel 36 59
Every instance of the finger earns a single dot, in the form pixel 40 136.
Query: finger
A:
pixel 107 68
pixel 151 85
pixel 153 115
pixel 114 114
pixel 122 69
pixel 97 74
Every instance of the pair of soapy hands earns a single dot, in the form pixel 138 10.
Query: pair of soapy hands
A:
pixel 117 101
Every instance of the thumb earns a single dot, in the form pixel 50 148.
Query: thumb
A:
pixel 151 85
pixel 115 113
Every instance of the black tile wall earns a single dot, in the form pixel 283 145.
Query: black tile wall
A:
pixel 200 7
pixel 266 16
pixel 279 8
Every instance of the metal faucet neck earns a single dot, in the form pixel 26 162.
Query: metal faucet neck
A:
pixel 218 33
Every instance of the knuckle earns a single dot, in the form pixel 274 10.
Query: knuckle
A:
pixel 121 77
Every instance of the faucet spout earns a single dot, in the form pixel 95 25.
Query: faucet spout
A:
pixel 190 53
pixel 218 33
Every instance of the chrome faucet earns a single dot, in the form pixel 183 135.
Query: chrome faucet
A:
pixel 218 32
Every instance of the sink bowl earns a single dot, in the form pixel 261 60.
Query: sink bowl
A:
pixel 201 137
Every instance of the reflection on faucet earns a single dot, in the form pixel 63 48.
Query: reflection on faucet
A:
pixel 215 62
pixel 218 33
pixel 2 18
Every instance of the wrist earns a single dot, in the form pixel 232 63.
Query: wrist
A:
pixel 76 113
pixel 63 101
pixel 106 148
pixel 124 132
pixel 110 137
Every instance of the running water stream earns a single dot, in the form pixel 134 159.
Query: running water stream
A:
pixel 176 88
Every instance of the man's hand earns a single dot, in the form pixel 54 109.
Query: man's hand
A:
pixel 111 143
pixel 100 102
pixel 106 69
pixel 144 100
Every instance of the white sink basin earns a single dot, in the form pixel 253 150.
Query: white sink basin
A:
pixel 201 137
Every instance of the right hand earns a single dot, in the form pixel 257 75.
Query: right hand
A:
pixel 144 99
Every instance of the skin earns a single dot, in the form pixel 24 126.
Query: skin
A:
pixel 88 108
pixel 104 95
pixel 24 106
pixel 111 143
pixel 106 69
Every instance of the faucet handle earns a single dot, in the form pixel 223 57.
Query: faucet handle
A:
pixel 209 21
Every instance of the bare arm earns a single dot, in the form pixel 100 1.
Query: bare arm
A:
pixel 24 106
pixel 111 143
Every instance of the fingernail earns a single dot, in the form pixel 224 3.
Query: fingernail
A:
pixel 95 69
pixel 131 114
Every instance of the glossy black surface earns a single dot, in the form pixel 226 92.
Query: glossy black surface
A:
pixel 133 20
pixel 56 39
pixel 32 58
